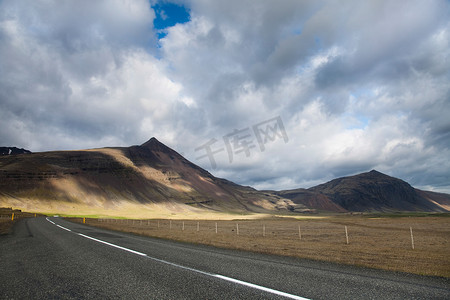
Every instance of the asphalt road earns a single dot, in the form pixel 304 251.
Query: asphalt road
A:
pixel 56 259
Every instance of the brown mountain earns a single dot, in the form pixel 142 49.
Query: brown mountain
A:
pixel 152 176
pixel 13 151
pixel 149 174
pixel 371 191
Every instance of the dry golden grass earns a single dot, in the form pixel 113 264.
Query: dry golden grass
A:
pixel 383 243
pixel 121 208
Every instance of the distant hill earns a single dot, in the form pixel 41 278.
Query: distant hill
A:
pixel 151 173
pixel 154 174
pixel 440 199
pixel 311 199
pixel 13 151
pixel 366 192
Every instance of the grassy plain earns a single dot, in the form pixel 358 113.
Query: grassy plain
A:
pixel 381 241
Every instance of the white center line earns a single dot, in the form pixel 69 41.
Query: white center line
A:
pixel 237 281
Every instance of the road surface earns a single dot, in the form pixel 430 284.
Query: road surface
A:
pixel 51 258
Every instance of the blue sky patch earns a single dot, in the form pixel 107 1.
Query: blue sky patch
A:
pixel 167 15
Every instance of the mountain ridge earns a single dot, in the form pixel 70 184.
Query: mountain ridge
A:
pixel 154 174
pixel 367 192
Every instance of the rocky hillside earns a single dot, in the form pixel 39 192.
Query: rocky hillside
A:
pixel 151 173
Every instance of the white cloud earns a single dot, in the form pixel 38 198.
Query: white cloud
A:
pixel 358 85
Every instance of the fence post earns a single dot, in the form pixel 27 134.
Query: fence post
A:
pixel 346 234
pixel 12 217
pixel 84 220
pixel 299 232
pixel 216 227
pixel 412 237
pixel 237 228
pixel 264 230
pixel 198 226
pixel 183 226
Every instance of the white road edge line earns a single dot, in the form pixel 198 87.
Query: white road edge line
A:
pixel 255 286
pixel 262 288
pixel 112 245
pixel 63 227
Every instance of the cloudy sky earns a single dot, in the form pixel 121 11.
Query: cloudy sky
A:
pixel 272 94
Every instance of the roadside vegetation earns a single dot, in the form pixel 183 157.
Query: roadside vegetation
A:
pixel 9 216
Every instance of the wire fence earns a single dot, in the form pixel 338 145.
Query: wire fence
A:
pixel 373 234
